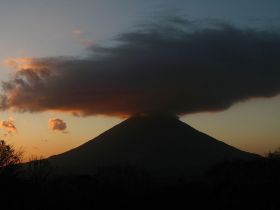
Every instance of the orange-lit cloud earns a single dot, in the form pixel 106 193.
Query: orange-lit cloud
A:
pixel 8 125
pixel 24 63
pixel 56 124
pixel 176 66
pixel 19 63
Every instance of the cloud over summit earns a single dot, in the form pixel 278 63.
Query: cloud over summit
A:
pixel 177 66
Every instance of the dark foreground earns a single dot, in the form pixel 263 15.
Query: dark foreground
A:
pixel 235 185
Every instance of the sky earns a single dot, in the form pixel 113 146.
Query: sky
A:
pixel 68 36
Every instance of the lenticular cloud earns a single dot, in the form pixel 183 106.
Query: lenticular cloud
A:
pixel 175 66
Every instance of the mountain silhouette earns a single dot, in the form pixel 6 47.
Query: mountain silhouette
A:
pixel 159 144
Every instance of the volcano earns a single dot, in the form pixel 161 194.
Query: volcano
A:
pixel 161 145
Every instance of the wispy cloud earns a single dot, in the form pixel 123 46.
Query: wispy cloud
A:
pixel 77 31
pixel 86 42
pixel 81 38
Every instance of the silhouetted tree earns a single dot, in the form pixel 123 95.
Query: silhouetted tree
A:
pixel 9 159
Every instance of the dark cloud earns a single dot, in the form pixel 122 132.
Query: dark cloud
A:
pixel 56 124
pixel 176 66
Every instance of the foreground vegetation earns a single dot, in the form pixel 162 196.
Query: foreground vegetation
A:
pixel 232 185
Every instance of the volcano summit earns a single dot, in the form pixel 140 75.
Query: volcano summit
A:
pixel 159 144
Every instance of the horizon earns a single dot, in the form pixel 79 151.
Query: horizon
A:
pixel 72 70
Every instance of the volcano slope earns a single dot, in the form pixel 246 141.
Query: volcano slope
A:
pixel 160 145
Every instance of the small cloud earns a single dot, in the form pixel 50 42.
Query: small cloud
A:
pixel 9 126
pixel 77 32
pixel 56 124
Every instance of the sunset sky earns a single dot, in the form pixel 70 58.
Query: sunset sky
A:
pixel 61 41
